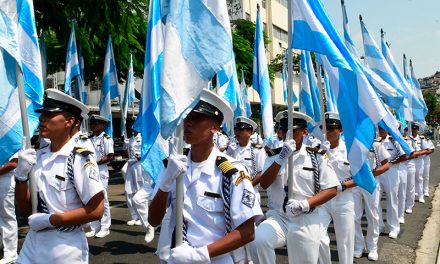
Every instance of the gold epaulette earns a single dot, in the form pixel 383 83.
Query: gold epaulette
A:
pixel 258 146
pixel 272 152
pixel 225 166
pixel 107 136
pixel 82 151
pixel 317 150
pixel 83 136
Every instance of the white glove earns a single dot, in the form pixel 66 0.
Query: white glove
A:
pixel 26 160
pixel 294 207
pixel 39 221
pixel 289 147
pixel 187 254
pixel 176 166
pixel 232 146
pixel 326 145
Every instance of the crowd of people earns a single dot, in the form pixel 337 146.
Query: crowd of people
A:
pixel 222 176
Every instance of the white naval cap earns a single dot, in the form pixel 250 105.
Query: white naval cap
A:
pixel 332 119
pixel 416 125
pixel 242 122
pixel 299 119
pixel 212 105
pixel 98 119
pixel 56 101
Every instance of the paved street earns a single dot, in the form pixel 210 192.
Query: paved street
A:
pixel 125 244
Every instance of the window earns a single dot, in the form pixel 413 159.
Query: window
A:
pixel 264 27
pixel 263 3
pixel 248 17
pixel 280 34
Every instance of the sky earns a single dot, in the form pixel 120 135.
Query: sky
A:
pixel 411 27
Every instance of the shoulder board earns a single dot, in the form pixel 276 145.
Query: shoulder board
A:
pixel 258 146
pixel 82 151
pixel 422 137
pixel 316 150
pixel 225 166
pixel 391 138
pixel 83 136
pixel 377 140
pixel 406 138
pixel 272 152
pixel 106 136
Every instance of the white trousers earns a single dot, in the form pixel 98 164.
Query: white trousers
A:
pixel 8 220
pixel 389 182
pixel 304 238
pixel 426 165
pixel 363 200
pixel 55 247
pixel 403 183
pixel 164 244
pixel 410 184
pixel 419 176
pixel 131 209
pixel 105 222
pixel 341 210
pixel 270 234
pixel 140 203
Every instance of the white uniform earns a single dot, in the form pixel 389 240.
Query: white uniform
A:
pixel 369 202
pixel 301 233
pixel 389 183
pixel 411 173
pixel 256 139
pixel 203 209
pixel 420 165
pixel 339 209
pixel 135 177
pixel 8 220
pixel 272 233
pixel 65 181
pixel 103 145
pixel 406 170
pixel 253 158
pixel 427 164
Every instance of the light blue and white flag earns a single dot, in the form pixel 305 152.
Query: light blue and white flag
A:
pixel 72 63
pixel 197 45
pixel 80 89
pixel 109 81
pixel 112 73
pixel 246 102
pixel 309 91
pixel 329 96
pixel 228 86
pixel 417 89
pixel 285 80
pixel 379 65
pixel 18 45
pixel 359 107
pixel 348 41
pixel 412 108
pixel 154 148
pixel 128 97
pixel 261 82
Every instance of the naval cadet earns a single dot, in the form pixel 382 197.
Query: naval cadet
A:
pixel 68 187
pixel 104 152
pixel 219 203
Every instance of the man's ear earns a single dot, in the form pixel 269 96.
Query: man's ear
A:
pixel 215 128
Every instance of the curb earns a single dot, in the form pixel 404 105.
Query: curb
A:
pixel 428 249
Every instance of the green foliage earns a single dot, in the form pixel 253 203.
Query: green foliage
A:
pixel 94 20
pixel 243 32
pixel 432 102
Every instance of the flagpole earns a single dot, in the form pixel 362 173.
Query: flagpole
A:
pixel 26 133
pixel 321 99
pixel 290 94
pixel 179 191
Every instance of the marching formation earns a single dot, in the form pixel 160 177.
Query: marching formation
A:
pixel 196 160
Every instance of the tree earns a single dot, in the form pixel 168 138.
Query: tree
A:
pixel 432 102
pixel 126 21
